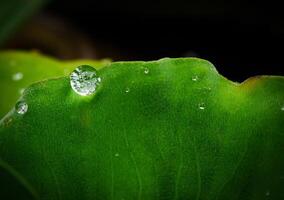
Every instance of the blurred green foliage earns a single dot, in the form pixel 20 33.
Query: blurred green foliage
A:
pixel 13 13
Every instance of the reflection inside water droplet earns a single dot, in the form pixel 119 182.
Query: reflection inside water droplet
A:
pixel 17 76
pixel 127 90
pixel 21 107
pixel 84 80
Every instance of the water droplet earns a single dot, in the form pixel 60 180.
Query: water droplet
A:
pixel 21 107
pixel 17 76
pixel 267 193
pixel 282 108
pixel 127 90
pixel 84 80
pixel 201 106
pixel 194 78
pixel 116 155
pixel 146 70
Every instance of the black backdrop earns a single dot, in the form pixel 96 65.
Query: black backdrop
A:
pixel 240 38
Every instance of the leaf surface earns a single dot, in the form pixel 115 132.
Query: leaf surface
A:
pixel 178 131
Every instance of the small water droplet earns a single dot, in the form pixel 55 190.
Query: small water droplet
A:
pixel 127 90
pixel 282 108
pixel 194 78
pixel 267 193
pixel 201 106
pixel 146 70
pixel 17 76
pixel 116 155
pixel 21 107
pixel 84 80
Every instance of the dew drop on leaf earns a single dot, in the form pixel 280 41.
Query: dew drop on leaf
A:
pixel 146 71
pixel 127 90
pixel 21 107
pixel 84 80
pixel 194 78
pixel 282 108
pixel 201 106
pixel 116 155
pixel 17 76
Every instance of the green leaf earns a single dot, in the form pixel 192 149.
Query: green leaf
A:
pixel 181 131
pixel 14 12
pixel 20 69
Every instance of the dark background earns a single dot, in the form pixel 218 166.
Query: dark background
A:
pixel 240 38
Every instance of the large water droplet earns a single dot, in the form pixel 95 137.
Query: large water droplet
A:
pixel 21 107
pixel 17 76
pixel 201 106
pixel 84 80
pixel 146 70
pixel 194 78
